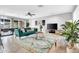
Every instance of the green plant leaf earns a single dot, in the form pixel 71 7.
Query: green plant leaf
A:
pixel 70 30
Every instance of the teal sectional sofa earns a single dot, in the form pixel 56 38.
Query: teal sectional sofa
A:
pixel 20 33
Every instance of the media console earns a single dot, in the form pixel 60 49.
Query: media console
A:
pixel 52 27
pixel 51 31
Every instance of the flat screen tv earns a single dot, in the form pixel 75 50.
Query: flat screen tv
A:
pixel 52 26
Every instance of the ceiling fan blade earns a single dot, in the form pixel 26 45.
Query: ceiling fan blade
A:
pixel 29 14
pixel 33 14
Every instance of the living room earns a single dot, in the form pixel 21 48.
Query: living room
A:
pixel 35 28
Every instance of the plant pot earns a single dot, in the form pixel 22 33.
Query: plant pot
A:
pixel 70 45
pixel 70 48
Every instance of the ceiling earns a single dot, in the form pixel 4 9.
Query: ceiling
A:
pixel 40 10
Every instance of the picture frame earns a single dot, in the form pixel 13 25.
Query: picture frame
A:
pixel 43 22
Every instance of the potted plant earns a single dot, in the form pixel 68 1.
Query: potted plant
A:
pixel 70 30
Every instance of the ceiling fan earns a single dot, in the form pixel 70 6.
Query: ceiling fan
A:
pixel 30 14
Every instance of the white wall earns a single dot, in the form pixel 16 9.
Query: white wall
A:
pixel 59 19
pixel 76 13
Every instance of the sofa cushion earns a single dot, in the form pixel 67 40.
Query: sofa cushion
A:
pixel 27 29
pixel 20 33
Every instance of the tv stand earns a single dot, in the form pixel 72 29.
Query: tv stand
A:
pixel 51 31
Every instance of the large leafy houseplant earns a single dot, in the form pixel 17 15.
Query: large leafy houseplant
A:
pixel 70 31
